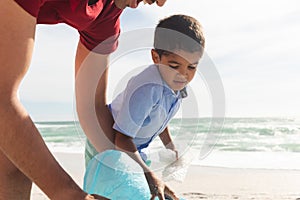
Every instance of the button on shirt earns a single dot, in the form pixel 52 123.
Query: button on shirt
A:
pixel 143 110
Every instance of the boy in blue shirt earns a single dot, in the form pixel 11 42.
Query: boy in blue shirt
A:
pixel 143 110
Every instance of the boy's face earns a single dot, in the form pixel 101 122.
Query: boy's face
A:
pixel 178 68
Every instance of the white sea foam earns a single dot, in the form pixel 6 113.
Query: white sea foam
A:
pixel 270 143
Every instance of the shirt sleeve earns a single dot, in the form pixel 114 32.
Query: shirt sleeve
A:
pixel 102 35
pixel 134 111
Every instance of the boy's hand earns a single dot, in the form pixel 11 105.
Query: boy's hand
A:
pixel 158 188
pixel 176 153
pixel 172 147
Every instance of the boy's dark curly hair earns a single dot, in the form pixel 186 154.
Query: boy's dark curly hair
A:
pixel 179 32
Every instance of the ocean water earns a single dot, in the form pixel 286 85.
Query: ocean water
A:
pixel 268 143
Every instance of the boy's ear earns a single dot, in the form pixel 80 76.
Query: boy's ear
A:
pixel 155 56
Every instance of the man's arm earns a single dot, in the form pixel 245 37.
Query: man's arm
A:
pixel 24 156
pixel 91 70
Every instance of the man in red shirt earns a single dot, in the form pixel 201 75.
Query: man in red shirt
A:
pixel 24 157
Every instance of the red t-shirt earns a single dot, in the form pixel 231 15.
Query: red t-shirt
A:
pixel 98 24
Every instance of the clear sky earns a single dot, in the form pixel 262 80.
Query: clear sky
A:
pixel 253 44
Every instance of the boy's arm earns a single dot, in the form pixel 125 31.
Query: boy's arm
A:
pixel 157 187
pixel 125 143
pixel 166 139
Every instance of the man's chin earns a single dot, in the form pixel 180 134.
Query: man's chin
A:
pixel 122 4
pixel 132 3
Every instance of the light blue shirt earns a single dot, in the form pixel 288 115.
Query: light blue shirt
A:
pixel 142 111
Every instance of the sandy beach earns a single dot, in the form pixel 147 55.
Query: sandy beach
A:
pixel 210 182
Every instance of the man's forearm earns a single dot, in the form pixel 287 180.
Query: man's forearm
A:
pixel 21 142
